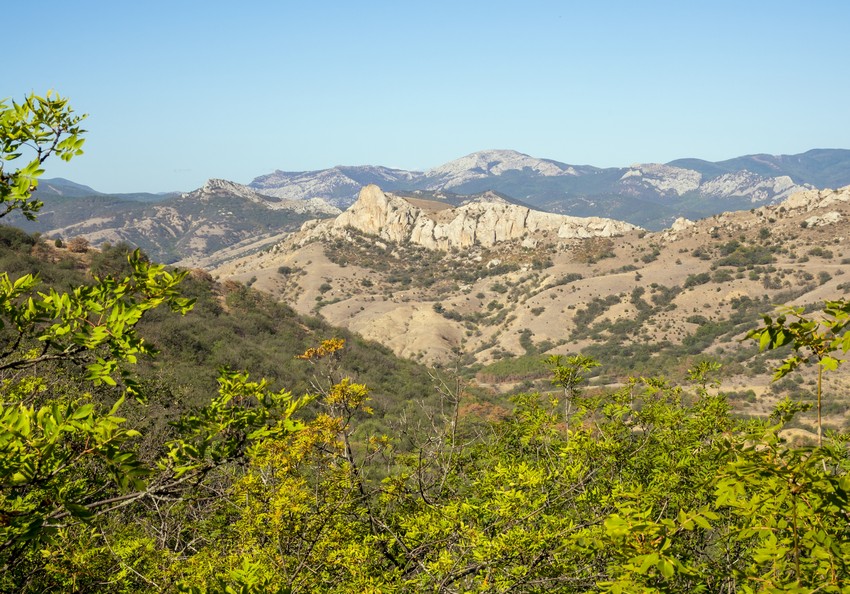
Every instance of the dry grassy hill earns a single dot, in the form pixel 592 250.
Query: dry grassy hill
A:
pixel 690 290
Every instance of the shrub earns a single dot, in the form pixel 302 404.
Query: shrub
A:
pixel 78 245
pixel 743 256
pixel 14 238
pixel 697 279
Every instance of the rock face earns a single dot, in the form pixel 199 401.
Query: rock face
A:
pixel 757 188
pixel 662 178
pixel 815 199
pixel 483 223
pixel 484 164
pixel 218 188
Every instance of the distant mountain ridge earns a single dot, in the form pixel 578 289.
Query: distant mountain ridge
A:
pixel 822 168
pixel 223 219
pixel 59 187
pixel 219 217
pixel 651 195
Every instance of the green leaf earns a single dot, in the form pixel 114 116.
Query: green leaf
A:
pixel 829 363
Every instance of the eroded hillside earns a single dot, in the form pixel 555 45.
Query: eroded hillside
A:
pixel 633 298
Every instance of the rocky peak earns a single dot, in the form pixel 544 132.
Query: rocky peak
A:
pixel 665 179
pixel 223 187
pixel 483 223
pixel 493 163
pixel 228 189
pixel 488 197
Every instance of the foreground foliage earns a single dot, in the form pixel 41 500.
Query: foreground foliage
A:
pixel 652 489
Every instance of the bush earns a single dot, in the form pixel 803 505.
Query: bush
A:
pixel 697 279
pixel 743 256
pixel 820 252
pixel 721 276
pixel 14 238
pixel 78 245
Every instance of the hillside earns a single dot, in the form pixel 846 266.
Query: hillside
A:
pixel 635 299
pixel 230 326
pixel 192 229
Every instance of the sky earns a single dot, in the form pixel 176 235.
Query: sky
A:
pixel 180 91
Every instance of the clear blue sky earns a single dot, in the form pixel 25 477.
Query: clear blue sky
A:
pixel 181 91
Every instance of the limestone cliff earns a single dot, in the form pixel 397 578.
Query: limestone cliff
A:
pixel 395 219
pixel 817 199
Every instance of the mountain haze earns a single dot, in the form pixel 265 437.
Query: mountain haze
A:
pixel 650 195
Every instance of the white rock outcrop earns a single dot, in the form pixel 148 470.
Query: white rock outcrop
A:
pixel 393 218
pixel 666 179
pixel 827 219
pixel 757 188
pixel 814 199
pixel 229 189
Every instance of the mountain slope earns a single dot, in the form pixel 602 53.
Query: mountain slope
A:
pixel 52 188
pixel 674 291
pixel 188 228
pixel 822 168
pixel 685 187
pixel 336 185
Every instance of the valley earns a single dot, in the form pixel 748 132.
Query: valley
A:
pixel 489 283
pixel 639 301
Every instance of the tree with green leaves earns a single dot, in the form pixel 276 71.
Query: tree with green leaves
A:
pixel 649 487
pixel 38 128
pixel 68 460
pixel 812 340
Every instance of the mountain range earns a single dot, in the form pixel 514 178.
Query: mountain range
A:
pixel 651 195
pixel 223 219
pixel 220 218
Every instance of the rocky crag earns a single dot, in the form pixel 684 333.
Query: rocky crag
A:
pixel 482 222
